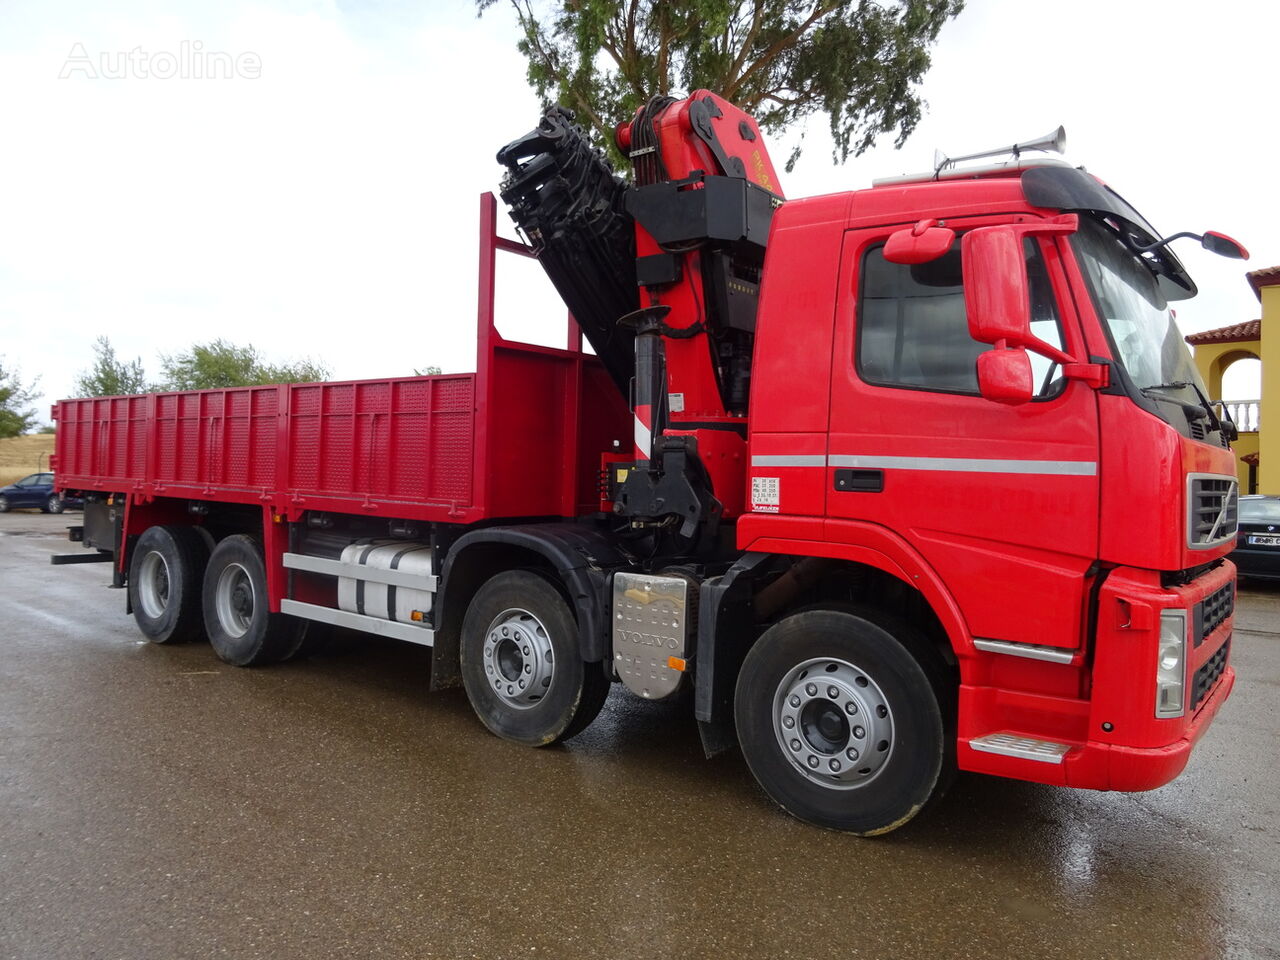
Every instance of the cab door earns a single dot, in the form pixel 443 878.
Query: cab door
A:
pixel 1001 500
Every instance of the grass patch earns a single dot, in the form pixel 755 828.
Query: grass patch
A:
pixel 22 456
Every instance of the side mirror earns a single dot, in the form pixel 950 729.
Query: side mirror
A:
pixel 919 244
pixel 995 286
pixel 996 296
pixel 1223 245
pixel 1004 375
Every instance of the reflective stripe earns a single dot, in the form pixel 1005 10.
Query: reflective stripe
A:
pixel 643 439
pixel 798 460
pixel 1069 468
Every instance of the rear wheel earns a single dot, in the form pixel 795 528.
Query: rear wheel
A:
pixel 54 504
pixel 521 664
pixel 241 628
pixel 840 724
pixel 165 573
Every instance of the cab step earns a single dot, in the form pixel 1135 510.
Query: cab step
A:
pixel 1025 748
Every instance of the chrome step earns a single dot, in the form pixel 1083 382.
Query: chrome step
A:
pixel 1025 748
pixel 1030 651
pixel 358 621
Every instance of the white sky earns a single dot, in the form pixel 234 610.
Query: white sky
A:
pixel 328 207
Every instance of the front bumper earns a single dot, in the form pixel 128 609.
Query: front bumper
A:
pixel 1106 766
pixel 1096 716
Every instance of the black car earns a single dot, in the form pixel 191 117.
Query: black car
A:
pixel 1257 552
pixel 34 491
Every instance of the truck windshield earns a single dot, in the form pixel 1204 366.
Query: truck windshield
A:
pixel 1145 337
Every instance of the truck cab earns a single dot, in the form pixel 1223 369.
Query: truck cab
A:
pixel 1070 535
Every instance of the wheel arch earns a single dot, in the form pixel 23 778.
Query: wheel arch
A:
pixel 579 557
pixel 896 586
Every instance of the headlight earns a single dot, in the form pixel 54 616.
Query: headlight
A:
pixel 1171 664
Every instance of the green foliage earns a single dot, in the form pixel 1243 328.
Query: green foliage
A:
pixel 856 61
pixel 47 429
pixel 223 364
pixel 110 377
pixel 16 416
pixel 430 371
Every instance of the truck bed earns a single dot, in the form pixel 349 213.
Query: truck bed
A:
pixel 521 437
pixel 342 446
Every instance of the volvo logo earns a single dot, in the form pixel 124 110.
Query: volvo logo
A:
pixel 647 639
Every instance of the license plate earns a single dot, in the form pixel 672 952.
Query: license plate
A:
pixel 1264 541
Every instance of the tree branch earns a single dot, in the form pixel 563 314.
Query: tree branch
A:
pixel 745 48
pixel 530 25
pixel 767 58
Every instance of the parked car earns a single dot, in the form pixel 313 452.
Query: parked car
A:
pixel 35 491
pixel 1257 552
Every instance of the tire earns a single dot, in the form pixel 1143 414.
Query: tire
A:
pixel 241 628
pixel 165 572
pixel 5 507
pixel 54 504
pixel 521 665
pixel 841 725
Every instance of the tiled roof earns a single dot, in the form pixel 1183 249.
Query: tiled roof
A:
pixel 1236 333
pixel 1266 277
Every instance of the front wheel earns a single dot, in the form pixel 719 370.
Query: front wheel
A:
pixel 241 628
pixel 5 506
pixel 840 724
pixel 521 665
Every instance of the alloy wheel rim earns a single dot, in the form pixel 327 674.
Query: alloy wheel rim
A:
pixel 833 723
pixel 153 585
pixel 234 600
pixel 519 662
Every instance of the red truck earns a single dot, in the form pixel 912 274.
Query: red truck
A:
pixel 894 482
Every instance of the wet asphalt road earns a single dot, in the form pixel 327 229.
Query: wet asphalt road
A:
pixel 155 803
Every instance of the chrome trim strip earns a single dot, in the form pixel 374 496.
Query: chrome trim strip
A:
pixel 357 621
pixel 357 571
pixel 1030 651
pixel 1066 468
pixel 1025 748
pixel 789 460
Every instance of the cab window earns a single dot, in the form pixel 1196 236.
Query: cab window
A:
pixel 913 331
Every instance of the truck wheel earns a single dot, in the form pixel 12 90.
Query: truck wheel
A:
pixel 521 665
pixel 241 628
pixel 839 723
pixel 164 583
pixel 54 504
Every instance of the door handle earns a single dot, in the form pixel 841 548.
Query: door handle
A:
pixel 861 481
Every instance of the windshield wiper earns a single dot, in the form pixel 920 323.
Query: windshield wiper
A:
pixel 1196 411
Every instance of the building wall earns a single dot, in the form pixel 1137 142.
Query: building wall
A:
pixel 1246 444
pixel 1269 441
pixel 1212 360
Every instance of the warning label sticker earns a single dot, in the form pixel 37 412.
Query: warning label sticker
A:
pixel 765 494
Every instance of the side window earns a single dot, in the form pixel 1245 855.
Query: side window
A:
pixel 913 331
pixel 1046 376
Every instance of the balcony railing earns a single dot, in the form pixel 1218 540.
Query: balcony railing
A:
pixel 1246 414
